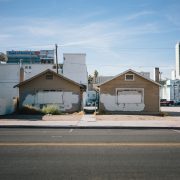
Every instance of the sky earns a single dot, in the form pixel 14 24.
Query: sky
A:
pixel 116 35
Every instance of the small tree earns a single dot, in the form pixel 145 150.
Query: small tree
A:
pixel 3 57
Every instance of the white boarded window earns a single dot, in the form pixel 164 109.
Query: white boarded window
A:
pixel 129 77
pixel 130 96
pixel 49 97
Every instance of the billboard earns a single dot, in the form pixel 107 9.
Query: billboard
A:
pixel 42 56
pixel 23 53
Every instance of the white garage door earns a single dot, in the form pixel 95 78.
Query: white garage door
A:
pixel 129 96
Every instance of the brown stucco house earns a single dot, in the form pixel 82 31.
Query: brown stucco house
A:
pixel 48 87
pixel 129 92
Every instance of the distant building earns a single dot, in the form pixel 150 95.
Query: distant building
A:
pixel 74 67
pixel 170 90
pixel 178 60
pixel 145 74
pixel 101 79
pixel 31 57
pixel 173 74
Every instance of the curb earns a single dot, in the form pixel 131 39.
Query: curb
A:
pixel 86 127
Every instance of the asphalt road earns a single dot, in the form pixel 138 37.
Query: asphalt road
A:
pixel 89 154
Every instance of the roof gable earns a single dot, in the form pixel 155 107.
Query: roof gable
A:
pixel 126 72
pixel 43 73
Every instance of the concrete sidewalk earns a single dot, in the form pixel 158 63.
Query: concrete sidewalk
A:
pixel 90 121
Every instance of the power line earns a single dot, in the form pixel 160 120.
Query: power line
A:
pixel 121 65
pixel 84 46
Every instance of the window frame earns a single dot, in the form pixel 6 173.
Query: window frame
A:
pixel 129 75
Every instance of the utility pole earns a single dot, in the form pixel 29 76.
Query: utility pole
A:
pixel 174 85
pixel 56 46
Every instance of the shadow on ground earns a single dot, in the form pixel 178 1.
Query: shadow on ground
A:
pixel 173 113
pixel 22 117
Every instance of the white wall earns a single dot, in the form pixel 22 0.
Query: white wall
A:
pixel 74 67
pixel 9 77
pixel 64 100
pixel 31 70
pixel 173 74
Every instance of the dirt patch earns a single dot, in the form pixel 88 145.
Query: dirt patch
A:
pixel 133 117
pixel 73 117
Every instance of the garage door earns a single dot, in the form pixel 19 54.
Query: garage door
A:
pixel 130 96
pixel 49 97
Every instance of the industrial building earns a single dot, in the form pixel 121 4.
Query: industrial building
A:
pixel 31 57
pixel 74 67
pixel 178 60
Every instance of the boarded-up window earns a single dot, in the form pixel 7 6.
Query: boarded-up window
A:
pixel 49 97
pixel 130 96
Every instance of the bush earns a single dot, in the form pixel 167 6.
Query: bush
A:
pixel 51 109
pixel 163 114
pixel 28 109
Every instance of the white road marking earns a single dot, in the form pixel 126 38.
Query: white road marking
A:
pixel 178 131
pixel 56 136
pixel 93 144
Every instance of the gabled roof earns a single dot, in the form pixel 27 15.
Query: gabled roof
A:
pixel 129 70
pixel 47 71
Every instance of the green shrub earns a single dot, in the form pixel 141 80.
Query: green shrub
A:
pixel 51 109
pixel 28 109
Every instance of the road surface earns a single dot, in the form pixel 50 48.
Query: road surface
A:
pixel 89 154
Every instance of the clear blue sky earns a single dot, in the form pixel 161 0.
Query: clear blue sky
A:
pixel 116 35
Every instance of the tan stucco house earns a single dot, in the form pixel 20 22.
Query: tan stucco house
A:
pixel 129 92
pixel 49 87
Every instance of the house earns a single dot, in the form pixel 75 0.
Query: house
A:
pixel 48 87
pixel 129 92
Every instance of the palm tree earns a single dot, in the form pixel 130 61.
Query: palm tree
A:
pixel 90 78
pixel 95 75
